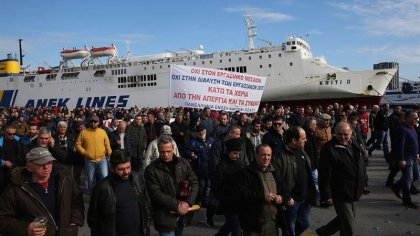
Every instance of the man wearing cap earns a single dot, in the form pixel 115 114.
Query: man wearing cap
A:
pixel 323 132
pixel 93 144
pixel 198 153
pixel 152 152
pixel 41 189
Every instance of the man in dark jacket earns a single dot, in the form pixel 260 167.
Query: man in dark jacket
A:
pixel 121 140
pixel 10 155
pixel 198 152
pixel 41 189
pixel 165 178
pixel 222 183
pixel 381 128
pixel 407 156
pixel 341 180
pixel 139 140
pixel 119 204
pixel 260 193
pixel 295 168
pixel 274 137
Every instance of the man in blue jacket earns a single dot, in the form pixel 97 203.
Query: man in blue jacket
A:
pixel 407 150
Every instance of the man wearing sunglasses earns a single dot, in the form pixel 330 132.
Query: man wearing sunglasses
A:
pixel 93 144
pixel 10 155
pixel 274 137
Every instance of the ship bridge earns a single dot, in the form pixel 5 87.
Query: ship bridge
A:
pixel 296 44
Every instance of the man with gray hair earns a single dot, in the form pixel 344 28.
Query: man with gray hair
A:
pixel 45 140
pixel 172 187
pixel 152 152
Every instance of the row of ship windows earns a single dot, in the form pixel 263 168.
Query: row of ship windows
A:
pixel 138 78
pixel 119 72
pixel 137 85
pixel 31 78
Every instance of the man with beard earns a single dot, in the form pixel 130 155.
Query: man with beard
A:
pixel 123 192
pixel 93 145
pixel 295 168
pixel 32 134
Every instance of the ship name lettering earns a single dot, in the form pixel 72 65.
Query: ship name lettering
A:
pixel 332 82
pixel 104 101
pixel 59 102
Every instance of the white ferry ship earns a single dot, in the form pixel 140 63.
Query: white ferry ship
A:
pixel 293 75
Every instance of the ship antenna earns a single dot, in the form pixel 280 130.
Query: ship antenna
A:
pixel 127 42
pixel 250 27
pixel 20 52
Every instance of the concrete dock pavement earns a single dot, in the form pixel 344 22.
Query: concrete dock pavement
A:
pixel 378 213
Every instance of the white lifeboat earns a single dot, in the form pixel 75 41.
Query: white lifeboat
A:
pixel 74 53
pixel 103 51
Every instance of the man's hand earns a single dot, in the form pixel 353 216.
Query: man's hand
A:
pixel 51 142
pixel 291 202
pixel 402 164
pixel 33 231
pixel 278 199
pixel 269 197
pixel 182 208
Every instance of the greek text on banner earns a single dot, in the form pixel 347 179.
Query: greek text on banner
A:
pixel 217 89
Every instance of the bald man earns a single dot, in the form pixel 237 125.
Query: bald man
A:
pixel 341 180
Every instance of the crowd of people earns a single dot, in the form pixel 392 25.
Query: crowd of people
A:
pixel 262 171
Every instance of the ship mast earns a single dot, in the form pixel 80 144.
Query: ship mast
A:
pixel 250 28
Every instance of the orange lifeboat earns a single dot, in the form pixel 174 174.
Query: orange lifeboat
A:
pixel 103 51
pixel 74 53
